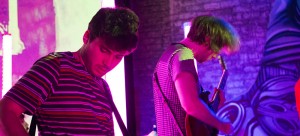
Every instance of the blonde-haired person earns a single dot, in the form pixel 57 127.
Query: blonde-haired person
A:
pixel 175 76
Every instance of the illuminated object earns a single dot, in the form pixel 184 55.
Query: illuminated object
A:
pixel 7 45
pixel 107 3
pixel 13 27
pixel 116 81
pixel 186 28
pixel 7 63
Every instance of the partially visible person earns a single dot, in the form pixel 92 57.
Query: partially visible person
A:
pixel 64 90
pixel 297 96
pixel 177 78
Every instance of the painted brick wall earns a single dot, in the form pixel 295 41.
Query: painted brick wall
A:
pixel 37 31
pixel 161 24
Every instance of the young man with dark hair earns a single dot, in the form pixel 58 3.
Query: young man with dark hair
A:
pixel 64 90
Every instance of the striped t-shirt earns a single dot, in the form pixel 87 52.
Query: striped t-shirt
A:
pixel 65 97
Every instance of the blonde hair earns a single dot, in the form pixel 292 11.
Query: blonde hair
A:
pixel 219 32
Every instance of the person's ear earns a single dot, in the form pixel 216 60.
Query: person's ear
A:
pixel 86 37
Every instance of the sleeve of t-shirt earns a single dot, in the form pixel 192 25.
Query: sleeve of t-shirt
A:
pixel 183 61
pixel 36 84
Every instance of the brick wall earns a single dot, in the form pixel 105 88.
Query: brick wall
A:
pixel 161 24
pixel 155 35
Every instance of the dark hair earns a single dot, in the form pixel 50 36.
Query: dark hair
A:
pixel 220 33
pixel 116 26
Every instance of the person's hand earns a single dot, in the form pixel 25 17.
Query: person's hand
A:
pixel 226 127
pixel 222 98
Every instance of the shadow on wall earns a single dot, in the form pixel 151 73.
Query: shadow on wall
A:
pixel 269 106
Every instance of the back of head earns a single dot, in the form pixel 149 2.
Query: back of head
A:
pixel 219 32
pixel 116 26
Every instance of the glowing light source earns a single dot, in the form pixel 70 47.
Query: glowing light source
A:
pixel 116 81
pixel 7 63
pixel 108 3
pixel 186 28
pixel 13 27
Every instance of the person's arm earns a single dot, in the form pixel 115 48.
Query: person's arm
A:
pixel 186 86
pixel 28 94
pixel 9 117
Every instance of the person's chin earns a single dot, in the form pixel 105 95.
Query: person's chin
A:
pixel 99 73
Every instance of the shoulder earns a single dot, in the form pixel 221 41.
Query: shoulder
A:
pixel 50 62
pixel 54 57
pixel 59 55
pixel 184 53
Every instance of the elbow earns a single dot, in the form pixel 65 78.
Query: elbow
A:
pixel 189 109
pixel 186 109
pixel 196 109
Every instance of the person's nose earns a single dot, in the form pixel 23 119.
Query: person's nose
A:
pixel 108 61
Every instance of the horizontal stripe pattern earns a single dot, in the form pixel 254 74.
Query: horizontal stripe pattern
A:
pixel 65 97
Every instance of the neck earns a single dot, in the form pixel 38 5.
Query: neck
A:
pixel 78 56
pixel 189 43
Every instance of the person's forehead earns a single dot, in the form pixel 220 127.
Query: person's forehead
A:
pixel 123 52
pixel 107 46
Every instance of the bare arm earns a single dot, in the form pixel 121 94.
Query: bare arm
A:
pixel 9 117
pixel 186 86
